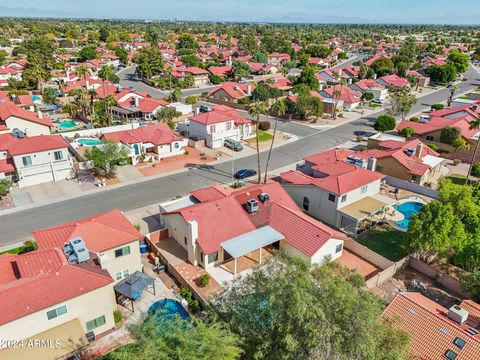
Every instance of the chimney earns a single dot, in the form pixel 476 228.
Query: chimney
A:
pixel 192 236
pixel 230 60
pixel 419 150
pixel 374 76
pixel 39 114
pixel 87 84
pixel 249 89
pixel 340 73
pixel 372 164
pixel 135 99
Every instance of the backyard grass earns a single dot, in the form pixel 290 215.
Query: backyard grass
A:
pixel 374 105
pixel 457 178
pixel 262 136
pixel 385 241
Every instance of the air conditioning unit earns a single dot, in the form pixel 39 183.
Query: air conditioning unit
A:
pixel 264 197
pixel 457 314
pixel 252 205
pixel 351 159
pixel 77 243
pixel 82 255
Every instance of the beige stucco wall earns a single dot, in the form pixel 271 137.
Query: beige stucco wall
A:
pixel 132 261
pixel 31 128
pixel 85 308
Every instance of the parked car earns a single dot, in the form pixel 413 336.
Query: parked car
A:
pixel 245 173
pixel 377 101
pixel 233 145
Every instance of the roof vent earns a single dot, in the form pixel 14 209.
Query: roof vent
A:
pixel 252 206
pixel 457 314
pixel 264 197
pixel 410 151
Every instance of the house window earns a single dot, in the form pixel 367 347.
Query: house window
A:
pixel 118 276
pixel 126 273
pixel 95 323
pixel 306 203
pixel 201 257
pixel 450 355
pixel 122 251
pixel 58 155
pixel 344 198
pixel 52 314
pixel 122 274
pixel 429 137
pixel 229 125
pixel 338 248
pixel 364 189
pixel 415 178
pixel 212 129
pixel 177 145
pixel 185 238
pixel 331 197
pixel 460 343
pixel 211 258
pixel 27 160
pixel 380 168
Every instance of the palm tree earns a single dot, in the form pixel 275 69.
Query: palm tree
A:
pixel 92 93
pixel 256 110
pixel 453 90
pixel 336 96
pixel 475 124
pixel 106 73
pixel 70 109
pixel 83 71
pixel 279 108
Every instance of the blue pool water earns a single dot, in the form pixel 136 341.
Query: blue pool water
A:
pixel 36 97
pixel 88 142
pixel 168 308
pixel 407 209
pixel 67 124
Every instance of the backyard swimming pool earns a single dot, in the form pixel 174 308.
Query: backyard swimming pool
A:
pixel 67 124
pixel 168 308
pixel 88 142
pixel 408 209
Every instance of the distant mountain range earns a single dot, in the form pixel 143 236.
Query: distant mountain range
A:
pixel 32 12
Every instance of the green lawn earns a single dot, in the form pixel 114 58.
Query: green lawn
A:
pixel 375 105
pixel 457 178
pixel 262 136
pixel 15 250
pixel 385 241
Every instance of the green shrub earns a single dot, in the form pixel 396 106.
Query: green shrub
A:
pixel 186 293
pixel 5 186
pixel 385 123
pixel 434 147
pixel 471 284
pixel 437 106
pixel 27 246
pixel 244 101
pixel 203 280
pixel 476 170
pixel 117 316
pixel 449 134
pixel 194 305
pixel 414 119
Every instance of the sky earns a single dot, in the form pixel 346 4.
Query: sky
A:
pixel 317 11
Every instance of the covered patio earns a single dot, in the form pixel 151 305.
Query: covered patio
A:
pixel 360 210
pixel 246 244
pixel 132 287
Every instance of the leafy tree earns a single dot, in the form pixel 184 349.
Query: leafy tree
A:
pixel 293 317
pixel 191 100
pixel 122 55
pixel 260 57
pixel 214 79
pixel 318 51
pixel 367 96
pixel 240 69
pixel 150 62
pixel 449 134
pixel 442 74
pixel 191 60
pixel 186 41
pixel 70 109
pixel 407 132
pixel 308 77
pixel 459 144
pixel 471 284
pixel 175 95
pixel 49 95
pixel 401 102
pixel 167 338
pixel 385 123
pixel 262 92
pixel 3 56
pixel 87 53
pixel 343 55
pixel 107 157
pixel 458 60
pixel 383 66
pixel 476 170
pixel 167 115
pixel 453 90
pixel 27 246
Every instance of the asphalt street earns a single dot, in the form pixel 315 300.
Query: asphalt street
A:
pixel 19 225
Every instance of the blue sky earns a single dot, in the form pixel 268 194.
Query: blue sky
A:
pixel 404 11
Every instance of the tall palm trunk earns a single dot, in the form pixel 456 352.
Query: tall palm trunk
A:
pixel 473 161
pixel 270 150
pixel 259 176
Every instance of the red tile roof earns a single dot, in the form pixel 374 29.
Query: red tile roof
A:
pixel 394 80
pixel 210 193
pixel 7 166
pixel 30 145
pixel 100 232
pixel 221 71
pixel 234 90
pixel 159 134
pixel 347 95
pixel 220 114
pixel 432 332
pixel 8 110
pixel 40 279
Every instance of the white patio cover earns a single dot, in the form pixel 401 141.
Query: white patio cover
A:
pixel 253 240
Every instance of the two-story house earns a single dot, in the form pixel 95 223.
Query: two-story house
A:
pixel 369 85
pixel 52 307
pixel 215 225
pixel 157 140
pixel 110 236
pixel 34 160
pixel 336 188
pixel 14 117
pixel 214 126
